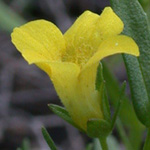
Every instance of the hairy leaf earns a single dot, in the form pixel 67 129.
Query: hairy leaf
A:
pixel 138 69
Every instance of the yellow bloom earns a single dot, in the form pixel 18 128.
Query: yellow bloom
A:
pixel 71 60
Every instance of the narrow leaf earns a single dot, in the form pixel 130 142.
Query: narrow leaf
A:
pixel 100 86
pixel 124 136
pixel 26 144
pixel 9 19
pixel 99 77
pixel 62 112
pixel 89 146
pixel 138 69
pixel 127 116
pixel 113 143
pixel 119 103
pixel 96 145
pixel 105 104
pixel 48 139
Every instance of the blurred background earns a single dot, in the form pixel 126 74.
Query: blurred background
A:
pixel 25 90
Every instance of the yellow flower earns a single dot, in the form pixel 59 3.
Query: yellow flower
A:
pixel 71 60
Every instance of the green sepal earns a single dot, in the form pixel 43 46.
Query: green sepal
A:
pixel 105 104
pixel 48 139
pixel 99 77
pixel 97 128
pixel 100 86
pixel 121 97
pixel 138 69
pixel 63 113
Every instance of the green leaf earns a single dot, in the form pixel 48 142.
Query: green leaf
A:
pixel 112 144
pixel 119 104
pixel 127 116
pixel 147 142
pixel 96 145
pixel 124 137
pixel 9 19
pixel 25 145
pixel 62 112
pixel 100 86
pixel 138 69
pixel 105 103
pixel 99 77
pixel 98 128
pixel 144 2
pixel 48 139
pixel 89 146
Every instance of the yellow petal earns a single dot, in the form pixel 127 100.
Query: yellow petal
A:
pixel 77 38
pixel 114 45
pixel 88 31
pixel 109 23
pixel 90 99
pixel 39 41
pixel 77 93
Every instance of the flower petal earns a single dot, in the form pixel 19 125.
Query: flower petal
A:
pixel 77 93
pixel 114 45
pixel 39 41
pixel 86 34
pixel 90 98
pixel 64 76
pixel 109 23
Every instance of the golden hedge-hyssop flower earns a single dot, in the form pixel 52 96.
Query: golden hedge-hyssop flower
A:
pixel 71 60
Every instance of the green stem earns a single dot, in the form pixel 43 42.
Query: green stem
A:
pixel 123 135
pixel 103 142
pixel 147 141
